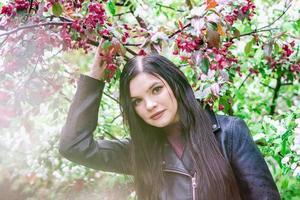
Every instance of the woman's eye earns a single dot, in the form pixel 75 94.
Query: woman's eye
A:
pixel 136 102
pixel 157 89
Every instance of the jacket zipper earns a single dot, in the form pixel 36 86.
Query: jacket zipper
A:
pixel 194 185
pixel 193 179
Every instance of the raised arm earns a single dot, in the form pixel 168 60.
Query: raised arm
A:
pixel 76 141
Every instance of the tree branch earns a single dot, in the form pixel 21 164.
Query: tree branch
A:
pixel 256 31
pixel 30 7
pixel 263 29
pixel 61 18
pixel 131 51
pixel 179 31
pixel 34 26
pixel 275 95
pixel 140 21
pixel 189 4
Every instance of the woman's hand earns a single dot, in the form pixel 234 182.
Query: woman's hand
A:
pixel 103 57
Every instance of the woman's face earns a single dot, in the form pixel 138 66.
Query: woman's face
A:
pixel 153 100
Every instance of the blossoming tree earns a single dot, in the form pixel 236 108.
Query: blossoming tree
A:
pixel 229 50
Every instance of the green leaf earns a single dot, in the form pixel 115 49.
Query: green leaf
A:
pixel 285 183
pixel 298 23
pixel 276 48
pixel 248 47
pixel 212 26
pixel 106 44
pixel 111 7
pixel 57 9
pixel 204 65
pixel 283 147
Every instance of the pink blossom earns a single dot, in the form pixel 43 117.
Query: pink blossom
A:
pixel 215 89
pixel 295 68
pixel 8 10
pixel 221 107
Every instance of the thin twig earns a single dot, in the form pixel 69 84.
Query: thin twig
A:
pixel 263 29
pixel 256 31
pixel 61 18
pixel 55 54
pixel 283 13
pixel 4 40
pixel 284 84
pixel 60 92
pixel 133 45
pixel 119 115
pixel 120 14
pixel 65 96
pixel 111 136
pixel 116 100
pixel 248 75
pixel 267 86
pixel 169 7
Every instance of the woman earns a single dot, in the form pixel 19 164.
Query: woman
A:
pixel 176 150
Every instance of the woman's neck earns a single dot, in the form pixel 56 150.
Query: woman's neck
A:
pixel 173 130
pixel 174 136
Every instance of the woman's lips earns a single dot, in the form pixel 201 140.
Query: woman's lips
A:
pixel 157 115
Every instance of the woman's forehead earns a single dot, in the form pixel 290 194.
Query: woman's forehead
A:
pixel 142 82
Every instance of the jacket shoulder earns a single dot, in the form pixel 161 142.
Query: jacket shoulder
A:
pixel 230 130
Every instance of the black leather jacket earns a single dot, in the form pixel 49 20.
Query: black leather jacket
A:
pixel 77 144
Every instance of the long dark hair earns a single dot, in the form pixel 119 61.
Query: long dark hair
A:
pixel 214 174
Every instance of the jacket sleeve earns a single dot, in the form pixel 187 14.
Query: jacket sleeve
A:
pixel 76 140
pixel 253 176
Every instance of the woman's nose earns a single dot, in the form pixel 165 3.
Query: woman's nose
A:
pixel 150 104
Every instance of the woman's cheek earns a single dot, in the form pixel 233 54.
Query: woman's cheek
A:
pixel 139 111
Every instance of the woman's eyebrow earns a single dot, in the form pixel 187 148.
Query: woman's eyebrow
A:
pixel 154 84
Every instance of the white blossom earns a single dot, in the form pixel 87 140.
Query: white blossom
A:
pixel 197 57
pixel 210 75
pixel 297 171
pixel 297 131
pixel 215 89
pixel 293 166
pixel 197 23
pixel 97 174
pixel 213 18
pixel 159 36
pixel 297 122
pixel 285 160
pixel 224 2
pixel 198 11
pixel 56 174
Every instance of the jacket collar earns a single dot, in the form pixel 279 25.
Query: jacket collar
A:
pixel 172 162
pixel 214 120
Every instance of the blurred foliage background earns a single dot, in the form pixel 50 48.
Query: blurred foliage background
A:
pixel 262 88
